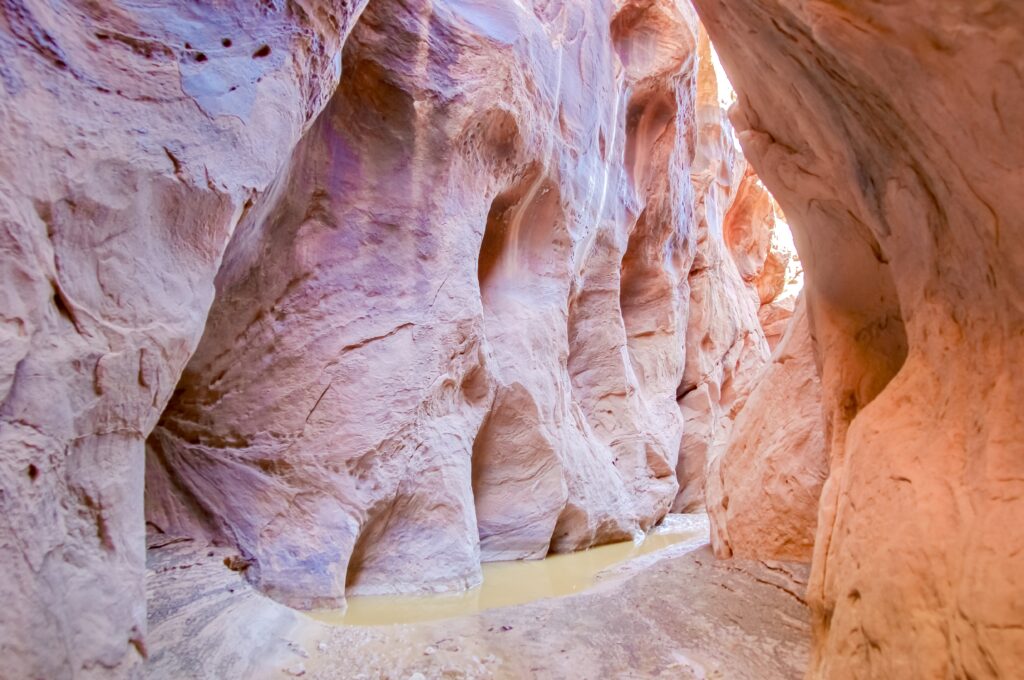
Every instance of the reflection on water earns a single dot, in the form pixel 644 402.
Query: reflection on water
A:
pixel 510 583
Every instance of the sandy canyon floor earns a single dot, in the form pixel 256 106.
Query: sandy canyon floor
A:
pixel 674 612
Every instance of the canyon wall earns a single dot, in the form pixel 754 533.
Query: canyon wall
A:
pixel 735 274
pixel 763 485
pixel 133 137
pixel 454 328
pixel 455 332
pixel 430 294
pixel 891 134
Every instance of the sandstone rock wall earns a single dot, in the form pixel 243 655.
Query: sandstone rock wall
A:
pixel 133 137
pixel 453 329
pixel 891 135
pixel 725 344
pixel 763 486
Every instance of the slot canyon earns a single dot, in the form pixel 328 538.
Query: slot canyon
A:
pixel 418 339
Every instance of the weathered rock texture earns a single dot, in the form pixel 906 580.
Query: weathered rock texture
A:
pixel 775 317
pixel 891 134
pixel 206 622
pixel 132 138
pixel 725 344
pixel 763 488
pixel 454 328
pixel 451 324
pixel 736 619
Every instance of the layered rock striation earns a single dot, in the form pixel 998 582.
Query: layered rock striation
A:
pixel 440 282
pixel 451 324
pixel 133 137
pixel 453 329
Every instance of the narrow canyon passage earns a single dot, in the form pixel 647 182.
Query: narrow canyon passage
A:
pixel 545 338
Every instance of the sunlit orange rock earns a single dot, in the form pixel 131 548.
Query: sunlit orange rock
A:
pixel 764 484
pixel 890 135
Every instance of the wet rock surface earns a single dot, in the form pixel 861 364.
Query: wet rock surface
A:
pixel 730 619
pixel 735 619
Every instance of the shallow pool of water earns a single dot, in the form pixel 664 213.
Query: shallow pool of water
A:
pixel 519 582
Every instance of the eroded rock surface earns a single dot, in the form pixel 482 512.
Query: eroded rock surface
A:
pixel 206 622
pixel 737 619
pixel 454 328
pixel 133 136
pixel 764 485
pixel 450 325
pixel 725 344
pixel 891 136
